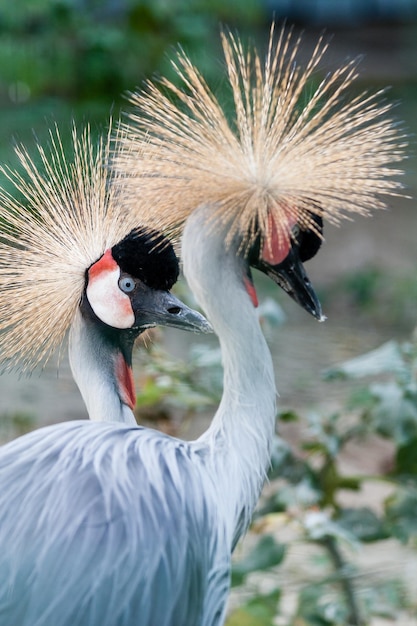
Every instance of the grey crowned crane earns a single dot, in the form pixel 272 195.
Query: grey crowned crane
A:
pixel 72 258
pixel 116 525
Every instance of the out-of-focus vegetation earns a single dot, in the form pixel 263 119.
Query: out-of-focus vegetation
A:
pixel 63 59
pixel 85 49
pixel 388 298
pixel 306 493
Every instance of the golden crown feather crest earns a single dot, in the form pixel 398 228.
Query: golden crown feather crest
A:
pixel 293 147
pixel 62 217
pixel 288 151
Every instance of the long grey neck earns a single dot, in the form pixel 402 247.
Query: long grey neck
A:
pixel 242 429
pixel 100 371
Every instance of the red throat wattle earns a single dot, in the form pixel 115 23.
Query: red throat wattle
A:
pixel 124 377
pixel 250 288
pixel 276 247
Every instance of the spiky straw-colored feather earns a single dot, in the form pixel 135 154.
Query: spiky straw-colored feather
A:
pixel 64 216
pixel 292 144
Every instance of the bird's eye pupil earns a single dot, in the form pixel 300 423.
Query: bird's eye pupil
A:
pixel 127 284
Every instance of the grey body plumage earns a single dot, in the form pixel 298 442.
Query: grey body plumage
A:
pixel 92 515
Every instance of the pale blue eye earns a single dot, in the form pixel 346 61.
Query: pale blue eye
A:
pixel 127 284
pixel 295 231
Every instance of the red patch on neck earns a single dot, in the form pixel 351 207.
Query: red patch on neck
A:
pixel 277 242
pixel 124 377
pixel 105 263
pixel 250 288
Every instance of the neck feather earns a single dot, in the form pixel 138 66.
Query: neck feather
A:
pixel 102 371
pixel 242 430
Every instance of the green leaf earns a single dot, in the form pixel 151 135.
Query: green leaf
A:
pixel 401 514
pixel 150 394
pixel 303 493
pixel 319 527
pixel 266 554
pixel 394 414
pixel 316 609
pixel 271 314
pixel 259 611
pixel 288 416
pixel 385 598
pixel 386 358
pixel 362 399
pixel 406 459
pixel 363 523
pixel 284 464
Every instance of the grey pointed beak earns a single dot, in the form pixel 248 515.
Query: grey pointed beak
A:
pixel 291 276
pixel 162 308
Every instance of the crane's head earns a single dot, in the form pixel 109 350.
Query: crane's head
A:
pixel 282 260
pixel 273 163
pixel 128 287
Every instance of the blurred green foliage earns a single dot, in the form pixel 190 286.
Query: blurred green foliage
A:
pixel 76 59
pixel 14 425
pixel 86 49
pixel 308 485
pixel 389 297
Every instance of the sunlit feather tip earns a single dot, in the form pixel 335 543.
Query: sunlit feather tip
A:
pixel 61 217
pixel 292 144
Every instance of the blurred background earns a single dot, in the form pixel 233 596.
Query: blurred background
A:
pixel 77 59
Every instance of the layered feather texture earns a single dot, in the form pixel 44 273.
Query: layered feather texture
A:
pixel 289 143
pixel 62 216
pixel 98 528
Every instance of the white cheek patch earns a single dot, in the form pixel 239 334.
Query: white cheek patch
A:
pixel 109 303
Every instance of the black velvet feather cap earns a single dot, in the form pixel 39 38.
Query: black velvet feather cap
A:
pixel 148 255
